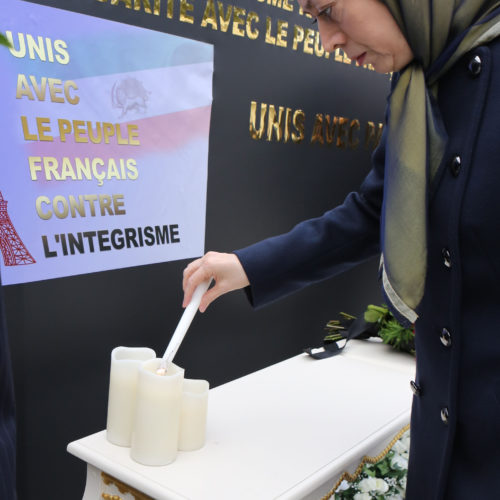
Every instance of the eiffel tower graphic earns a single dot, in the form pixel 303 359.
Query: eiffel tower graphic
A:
pixel 13 250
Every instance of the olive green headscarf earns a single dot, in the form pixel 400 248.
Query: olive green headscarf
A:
pixel 416 139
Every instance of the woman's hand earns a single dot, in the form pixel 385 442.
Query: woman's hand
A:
pixel 224 268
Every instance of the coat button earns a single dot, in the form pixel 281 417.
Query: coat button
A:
pixel 475 66
pixel 415 388
pixel 446 257
pixel 445 337
pixel 444 415
pixel 456 165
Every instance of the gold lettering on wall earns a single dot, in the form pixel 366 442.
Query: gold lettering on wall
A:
pixel 283 124
pixel 317 133
pixel 335 130
pixel 254 132
pixel 147 6
pixel 309 40
pixel 185 8
pixel 341 132
pixel 237 21
pixel 252 33
pixel 274 124
pixel 373 133
pixel 299 118
pixel 127 3
pixel 279 38
pixel 222 18
pixel 209 16
pixel 170 9
pixel 281 4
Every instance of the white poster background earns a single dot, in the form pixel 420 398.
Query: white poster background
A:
pixel 159 83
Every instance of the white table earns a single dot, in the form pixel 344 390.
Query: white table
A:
pixel 288 431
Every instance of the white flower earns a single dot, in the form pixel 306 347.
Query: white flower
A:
pixel 362 496
pixel 391 481
pixel 394 496
pixel 402 482
pixel 399 462
pixel 344 485
pixel 400 448
pixel 376 485
pixel 367 484
pixel 381 486
pixel 405 440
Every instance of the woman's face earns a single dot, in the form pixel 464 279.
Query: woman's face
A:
pixel 364 29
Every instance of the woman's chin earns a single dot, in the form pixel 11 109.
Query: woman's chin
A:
pixel 382 65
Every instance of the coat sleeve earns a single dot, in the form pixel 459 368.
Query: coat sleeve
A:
pixel 318 248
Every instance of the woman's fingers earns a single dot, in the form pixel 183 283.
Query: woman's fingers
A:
pixel 192 278
pixel 224 268
pixel 210 296
pixel 188 272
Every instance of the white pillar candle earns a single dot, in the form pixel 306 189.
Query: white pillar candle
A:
pixel 158 408
pixel 193 424
pixel 125 363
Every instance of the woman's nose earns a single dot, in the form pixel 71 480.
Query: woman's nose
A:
pixel 331 36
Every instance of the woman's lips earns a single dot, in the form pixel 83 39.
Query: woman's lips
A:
pixel 360 59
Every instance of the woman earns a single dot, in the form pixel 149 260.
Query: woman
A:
pixel 429 206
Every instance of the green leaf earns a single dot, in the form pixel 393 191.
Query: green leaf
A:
pixel 381 309
pixel 383 467
pixel 331 326
pixel 400 338
pixel 372 316
pixel 347 316
pixel 334 337
pixel 4 41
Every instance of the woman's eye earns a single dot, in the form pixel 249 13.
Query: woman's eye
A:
pixel 327 12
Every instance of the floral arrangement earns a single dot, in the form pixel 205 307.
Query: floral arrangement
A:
pixel 377 321
pixel 383 480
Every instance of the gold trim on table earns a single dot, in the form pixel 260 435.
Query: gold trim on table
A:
pixel 365 460
pixel 123 488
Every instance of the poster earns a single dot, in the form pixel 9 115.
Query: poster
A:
pixel 103 144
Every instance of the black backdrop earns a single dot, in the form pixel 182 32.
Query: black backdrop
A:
pixel 63 330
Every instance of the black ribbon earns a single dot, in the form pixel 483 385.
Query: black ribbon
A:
pixel 353 329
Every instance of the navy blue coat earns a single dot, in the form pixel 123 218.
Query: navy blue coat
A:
pixel 455 423
pixel 7 416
